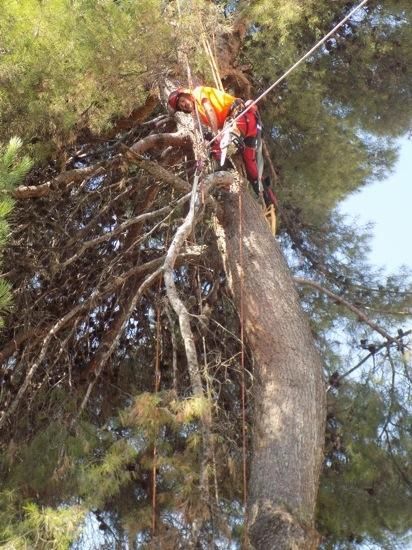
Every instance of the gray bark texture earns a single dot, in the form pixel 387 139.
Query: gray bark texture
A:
pixel 288 388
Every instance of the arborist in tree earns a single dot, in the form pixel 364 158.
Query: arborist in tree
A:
pixel 217 109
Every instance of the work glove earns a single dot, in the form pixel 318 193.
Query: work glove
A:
pixel 236 108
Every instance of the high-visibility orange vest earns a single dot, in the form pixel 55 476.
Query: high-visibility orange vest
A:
pixel 220 101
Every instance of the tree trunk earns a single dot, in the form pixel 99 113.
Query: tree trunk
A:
pixel 288 389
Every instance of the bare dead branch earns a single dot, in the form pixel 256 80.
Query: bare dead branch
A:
pixel 177 139
pixel 32 370
pixel 133 154
pixel 61 181
pixel 78 175
pixel 178 306
pixel 16 343
pixel 130 288
pixel 110 349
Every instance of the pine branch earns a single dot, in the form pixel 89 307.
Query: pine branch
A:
pixel 338 299
pixel 397 341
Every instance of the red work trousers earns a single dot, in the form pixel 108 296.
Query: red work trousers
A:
pixel 250 128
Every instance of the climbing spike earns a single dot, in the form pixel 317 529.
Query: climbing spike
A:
pixel 270 216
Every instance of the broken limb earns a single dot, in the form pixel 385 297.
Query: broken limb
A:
pixel 132 154
pixel 61 181
pixel 78 175
pixel 177 139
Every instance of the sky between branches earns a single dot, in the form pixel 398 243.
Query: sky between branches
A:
pixel 388 205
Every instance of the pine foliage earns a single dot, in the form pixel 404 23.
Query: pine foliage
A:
pixel 69 65
pixel 13 168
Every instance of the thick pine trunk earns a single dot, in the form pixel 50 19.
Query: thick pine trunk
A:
pixel 288 390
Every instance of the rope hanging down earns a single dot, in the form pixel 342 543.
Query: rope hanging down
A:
pixel 212 61
pixel 293 67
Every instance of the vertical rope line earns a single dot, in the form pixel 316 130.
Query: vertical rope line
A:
pixel 199 137
pixel 212 62
pixel 213 52
pixel 209 60
pixel 242 358
pixel 189 74
pixel 156 389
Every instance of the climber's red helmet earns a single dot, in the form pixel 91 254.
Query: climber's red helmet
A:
pixel 173 100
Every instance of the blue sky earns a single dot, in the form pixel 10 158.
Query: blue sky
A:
pixel 388 204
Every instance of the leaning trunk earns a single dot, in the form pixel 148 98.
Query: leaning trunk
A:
pixel 288 390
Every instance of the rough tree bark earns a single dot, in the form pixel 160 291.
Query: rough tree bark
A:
pixel 288 389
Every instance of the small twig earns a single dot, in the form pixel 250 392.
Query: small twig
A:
pixel 395 462
pixel 392 394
